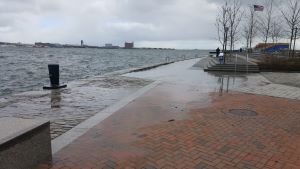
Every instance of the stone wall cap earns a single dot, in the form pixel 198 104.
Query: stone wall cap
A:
pixel 11 128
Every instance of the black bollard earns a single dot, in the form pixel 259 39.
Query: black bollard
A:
pixel 54 74
pixel 54 77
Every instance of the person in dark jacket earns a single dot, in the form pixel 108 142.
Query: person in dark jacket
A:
pixel 218 52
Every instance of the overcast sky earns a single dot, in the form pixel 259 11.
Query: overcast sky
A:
pixel 149 23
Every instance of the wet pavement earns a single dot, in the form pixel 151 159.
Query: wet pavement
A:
pixel 290 79
pixel 192 119
pixel 68 107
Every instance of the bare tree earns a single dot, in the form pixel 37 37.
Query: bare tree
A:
pixel 276 30
pixel 235 17
pixel 291 15
pixel 266 20
pixel 246 35
pixel 250 26
pixel 222 24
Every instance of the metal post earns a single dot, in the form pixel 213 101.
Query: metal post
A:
pixel 247 62
pixel 235 63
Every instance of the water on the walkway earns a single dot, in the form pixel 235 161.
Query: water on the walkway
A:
pixel 68 107
pixel 186 73
pixel 82 99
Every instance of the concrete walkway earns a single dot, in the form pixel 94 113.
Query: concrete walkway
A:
pixel 192 119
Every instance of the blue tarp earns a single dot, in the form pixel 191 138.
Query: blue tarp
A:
pixel 277 48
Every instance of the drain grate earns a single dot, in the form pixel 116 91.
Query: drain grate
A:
pixel 242 112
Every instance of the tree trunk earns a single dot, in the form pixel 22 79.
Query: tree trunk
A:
pixel 291 42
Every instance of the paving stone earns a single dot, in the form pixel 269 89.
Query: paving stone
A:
pixel 224 149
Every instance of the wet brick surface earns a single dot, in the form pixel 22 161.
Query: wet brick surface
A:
pixel 201 135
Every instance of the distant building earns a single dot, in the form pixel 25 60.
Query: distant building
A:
pixel 82 43
pixel 110 46
pixel 129 45
pixel 48 45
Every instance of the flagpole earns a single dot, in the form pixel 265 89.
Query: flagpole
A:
pixel 256 8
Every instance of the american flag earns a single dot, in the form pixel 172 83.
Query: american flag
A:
pixel 258 8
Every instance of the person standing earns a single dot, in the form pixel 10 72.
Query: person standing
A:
pixel 218 52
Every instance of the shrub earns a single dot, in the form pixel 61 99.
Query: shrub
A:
pixel 277 63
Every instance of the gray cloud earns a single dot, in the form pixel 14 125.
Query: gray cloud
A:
pixel 151 22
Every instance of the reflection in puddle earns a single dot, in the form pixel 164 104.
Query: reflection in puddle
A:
pixel 55 98
pixel 227 82
pixel 221 82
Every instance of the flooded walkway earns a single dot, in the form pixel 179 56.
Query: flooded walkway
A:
pixel 192 119
pixel 66 108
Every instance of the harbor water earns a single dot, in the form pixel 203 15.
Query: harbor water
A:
pixel 25 69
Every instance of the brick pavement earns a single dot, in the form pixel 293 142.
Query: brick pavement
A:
pixel 181 126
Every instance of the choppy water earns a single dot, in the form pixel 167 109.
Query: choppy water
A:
pixel 25 69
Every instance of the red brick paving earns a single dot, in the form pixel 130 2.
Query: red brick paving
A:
pixel 175 126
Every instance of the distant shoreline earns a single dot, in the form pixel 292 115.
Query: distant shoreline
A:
pixel 57 45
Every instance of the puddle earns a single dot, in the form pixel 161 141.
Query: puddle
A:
pixel 181 73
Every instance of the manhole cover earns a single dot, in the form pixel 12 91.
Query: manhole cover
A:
pixel 242 112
